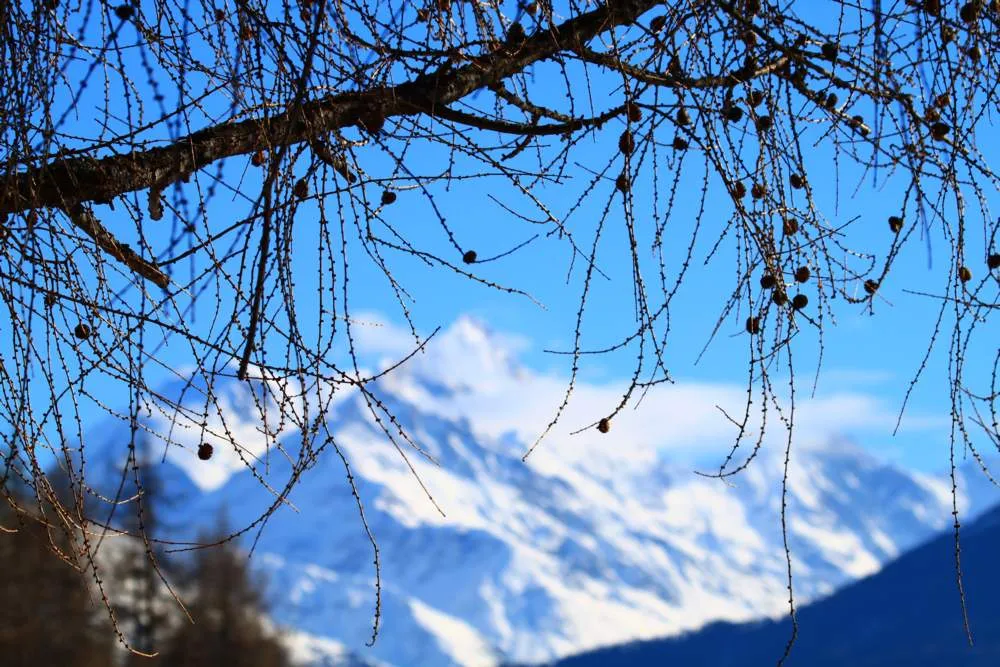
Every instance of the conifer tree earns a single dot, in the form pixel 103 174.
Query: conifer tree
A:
pixel 142 571
pixel 226 603
pixel 50 613
pixel 255 169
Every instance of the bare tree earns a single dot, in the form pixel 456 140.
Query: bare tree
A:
pixel 163 163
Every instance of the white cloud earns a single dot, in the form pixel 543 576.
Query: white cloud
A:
pixel 497 395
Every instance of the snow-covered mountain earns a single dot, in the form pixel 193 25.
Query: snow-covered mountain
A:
pixel 597 539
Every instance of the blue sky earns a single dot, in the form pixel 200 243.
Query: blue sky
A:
pixel 874 355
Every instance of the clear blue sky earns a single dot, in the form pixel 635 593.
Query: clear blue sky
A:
pixel 874 354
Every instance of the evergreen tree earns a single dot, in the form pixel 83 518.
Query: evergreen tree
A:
pixel 49 613
pixel 227 607
pixel 143 606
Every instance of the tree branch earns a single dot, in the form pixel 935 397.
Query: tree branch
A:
pixel 84 218
pixel 524 129
pixel 672 80
pixel 71 181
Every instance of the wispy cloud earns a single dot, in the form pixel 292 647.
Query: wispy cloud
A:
pixel 499 395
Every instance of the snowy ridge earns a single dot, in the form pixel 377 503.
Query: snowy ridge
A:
pixel 596 540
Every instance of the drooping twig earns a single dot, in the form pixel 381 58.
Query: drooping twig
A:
pixel 83 217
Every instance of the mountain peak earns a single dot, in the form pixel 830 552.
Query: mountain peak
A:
pixel 471 353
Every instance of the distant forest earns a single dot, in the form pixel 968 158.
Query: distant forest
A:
pixel 51 615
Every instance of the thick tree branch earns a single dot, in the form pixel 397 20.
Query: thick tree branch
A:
pixel 66 182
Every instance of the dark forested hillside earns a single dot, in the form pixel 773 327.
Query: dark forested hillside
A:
pixel 48 615
pixel 907 614
pixel 51 613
